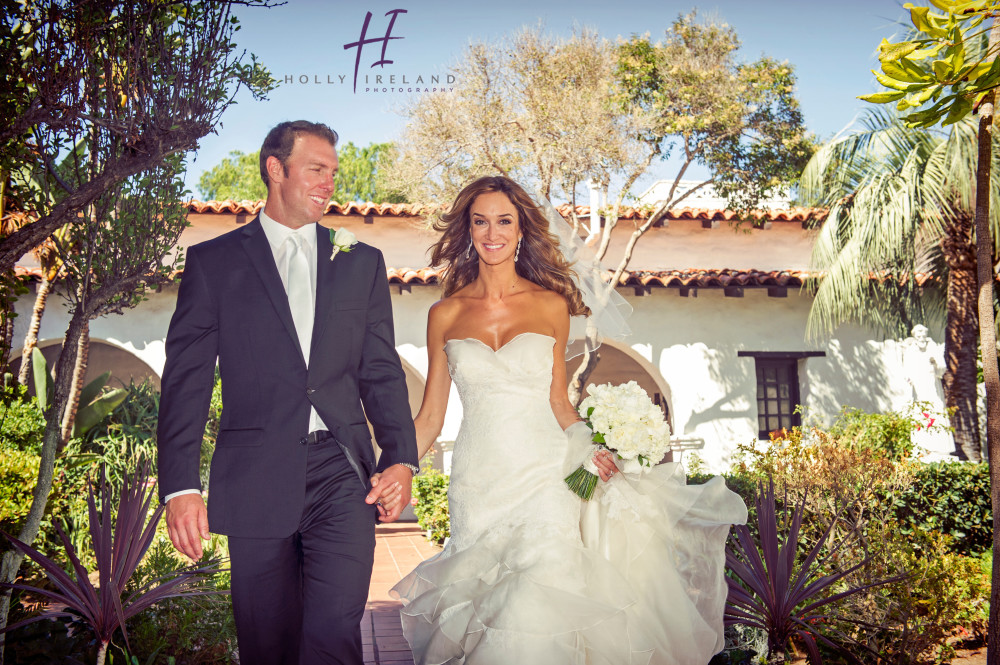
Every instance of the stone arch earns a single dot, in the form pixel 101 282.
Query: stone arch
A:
pixel 414 385
pixel 620 363
pixel 103 356
pixel 415 382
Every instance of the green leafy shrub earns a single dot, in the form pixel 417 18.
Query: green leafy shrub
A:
pixel 831 472
pixel 20 443
pixel 21 422
pixel 104 599
pixel 890 432
pixel 197 630
pixel 126 436
pixel 118 444
pixel 211 430
pixel 430 493
pixel 945 594
pixel 952 498
pixel 902 518
pixel 48 642
pixel 18 473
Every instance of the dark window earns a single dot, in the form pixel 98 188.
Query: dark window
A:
pixel 777 394
pixel 777 388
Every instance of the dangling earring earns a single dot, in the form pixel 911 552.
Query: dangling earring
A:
pixel 517 252
pixel 468 252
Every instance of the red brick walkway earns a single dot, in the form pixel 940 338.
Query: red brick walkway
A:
pixel 398 549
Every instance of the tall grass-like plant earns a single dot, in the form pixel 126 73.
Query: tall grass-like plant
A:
pixel 771 589
pixel 120 543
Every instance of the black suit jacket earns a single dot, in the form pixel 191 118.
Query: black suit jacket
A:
pixel 232 307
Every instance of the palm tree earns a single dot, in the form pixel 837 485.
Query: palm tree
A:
pixel 48 258
pixel 902 205
pixel 8 224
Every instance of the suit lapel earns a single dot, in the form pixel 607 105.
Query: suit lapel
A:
pixel 325 285
pixel 257 248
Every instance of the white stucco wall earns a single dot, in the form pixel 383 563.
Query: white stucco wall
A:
pixel 140 331
pixel 696 342
pixel 692 341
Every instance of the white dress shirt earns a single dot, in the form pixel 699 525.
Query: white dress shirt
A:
pixel 276 235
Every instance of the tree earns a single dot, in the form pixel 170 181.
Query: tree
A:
pixel 357 177
pixel 108 264
pixel 120 90
pixel 900 203
pixel 48 259
pixel 557 113
pixel 148 79
pixel 10 289
pixel 237 177
pixel 934 74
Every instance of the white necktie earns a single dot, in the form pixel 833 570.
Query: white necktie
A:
pixel 298 286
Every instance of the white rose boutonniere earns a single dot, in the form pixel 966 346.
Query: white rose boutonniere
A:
pixel 343 241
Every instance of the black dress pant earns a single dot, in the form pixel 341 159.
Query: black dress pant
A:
pixel 299 600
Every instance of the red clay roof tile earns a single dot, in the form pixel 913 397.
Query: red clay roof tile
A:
pixel 413 210
pixel 688 278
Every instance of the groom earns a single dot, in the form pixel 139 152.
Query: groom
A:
pixel 303 341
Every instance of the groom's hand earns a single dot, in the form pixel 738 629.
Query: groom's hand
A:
pixel 187 523
pixel 391 492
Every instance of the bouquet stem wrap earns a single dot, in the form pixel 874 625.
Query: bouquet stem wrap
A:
pixel 583 481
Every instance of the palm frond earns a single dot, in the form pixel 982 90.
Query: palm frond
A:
pixel 885 186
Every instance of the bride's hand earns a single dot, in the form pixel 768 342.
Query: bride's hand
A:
pixel 605 463
pixel 386 496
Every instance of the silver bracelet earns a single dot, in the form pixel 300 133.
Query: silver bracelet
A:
pixel 413 469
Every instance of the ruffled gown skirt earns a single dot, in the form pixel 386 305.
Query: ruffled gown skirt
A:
pixel 532 574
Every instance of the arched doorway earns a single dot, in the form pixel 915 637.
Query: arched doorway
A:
pixel 415 390
pixel 620 363
pixel 414 386
pixel 102 357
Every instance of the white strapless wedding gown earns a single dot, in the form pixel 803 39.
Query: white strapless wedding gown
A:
pixel 532 574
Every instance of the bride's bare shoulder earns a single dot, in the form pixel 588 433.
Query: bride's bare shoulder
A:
pixel 549 301
pixel 447 310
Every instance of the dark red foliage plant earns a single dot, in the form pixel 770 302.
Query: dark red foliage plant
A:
pixel 774 589
pixel 120 542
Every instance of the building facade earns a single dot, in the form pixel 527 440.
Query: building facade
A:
pixel 719 322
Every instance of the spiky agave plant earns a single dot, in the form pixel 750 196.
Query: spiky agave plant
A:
pixel 120 543
pixel 771 590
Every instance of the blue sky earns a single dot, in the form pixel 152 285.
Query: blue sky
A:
pixel 831 45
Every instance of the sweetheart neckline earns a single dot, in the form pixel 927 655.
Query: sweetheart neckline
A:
pixel 502 346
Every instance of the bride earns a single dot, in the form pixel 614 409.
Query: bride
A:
pixel 531 573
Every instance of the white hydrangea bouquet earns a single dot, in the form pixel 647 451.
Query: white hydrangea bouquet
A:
pixel 625 421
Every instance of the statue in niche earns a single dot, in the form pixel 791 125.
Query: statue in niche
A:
pixel 923 366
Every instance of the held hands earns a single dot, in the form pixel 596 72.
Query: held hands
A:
pixel 390 492
pixel 187 523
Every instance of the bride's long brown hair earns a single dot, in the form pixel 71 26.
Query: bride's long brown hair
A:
pixel 539 261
